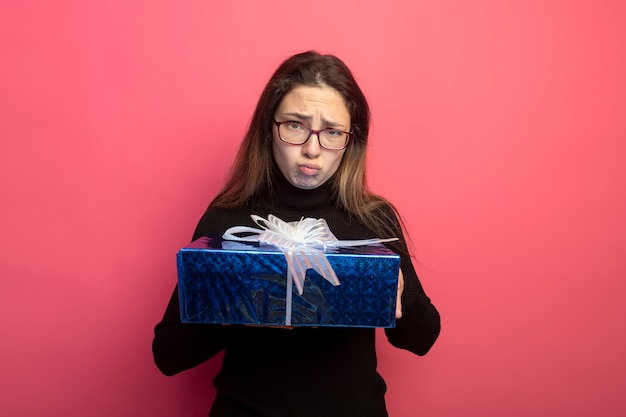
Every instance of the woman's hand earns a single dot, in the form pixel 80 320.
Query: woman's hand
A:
pixel 399 297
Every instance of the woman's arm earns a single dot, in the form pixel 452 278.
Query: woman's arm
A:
pixel 418 323
pixel 419 326
pixel 180 346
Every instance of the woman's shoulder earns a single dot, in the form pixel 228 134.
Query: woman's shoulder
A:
pixel 383 218
pixel 216 220
pixel 384 209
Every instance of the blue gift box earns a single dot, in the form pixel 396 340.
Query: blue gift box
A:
pixel 229 282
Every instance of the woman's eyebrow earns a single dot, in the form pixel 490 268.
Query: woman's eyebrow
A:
pixel 308 118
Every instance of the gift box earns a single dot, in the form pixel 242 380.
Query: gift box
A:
pixel 228 282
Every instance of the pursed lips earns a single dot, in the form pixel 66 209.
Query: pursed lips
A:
pixel 309 169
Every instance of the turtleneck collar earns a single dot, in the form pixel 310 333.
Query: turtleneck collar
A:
pixel 287 196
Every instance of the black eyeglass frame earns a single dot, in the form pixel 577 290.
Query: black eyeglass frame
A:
pixel 349 135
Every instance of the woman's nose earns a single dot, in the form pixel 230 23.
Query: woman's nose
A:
pixel 311 148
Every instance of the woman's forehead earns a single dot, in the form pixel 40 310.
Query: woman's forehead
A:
pixel 307 103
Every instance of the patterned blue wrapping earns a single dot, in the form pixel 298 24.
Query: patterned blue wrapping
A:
pixel 245 283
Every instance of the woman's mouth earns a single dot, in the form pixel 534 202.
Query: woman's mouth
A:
pixel 308 169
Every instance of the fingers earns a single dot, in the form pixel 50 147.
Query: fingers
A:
pixel 399 296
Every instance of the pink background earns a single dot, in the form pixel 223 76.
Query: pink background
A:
pixel 499 130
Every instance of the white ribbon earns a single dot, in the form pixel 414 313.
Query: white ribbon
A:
pixel 303 244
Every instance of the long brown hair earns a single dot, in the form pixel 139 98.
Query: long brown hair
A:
pixel 252 169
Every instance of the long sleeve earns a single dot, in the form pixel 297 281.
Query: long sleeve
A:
pixel 180 346
pixel 419 326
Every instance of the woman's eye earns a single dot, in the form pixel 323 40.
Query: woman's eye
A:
pixel 294 126
pixel 334 132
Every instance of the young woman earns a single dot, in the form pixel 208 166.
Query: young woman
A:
pixel 304 155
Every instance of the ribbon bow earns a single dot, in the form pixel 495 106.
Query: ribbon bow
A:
pixel 303 244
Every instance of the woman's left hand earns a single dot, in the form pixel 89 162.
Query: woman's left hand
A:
pixel 399 298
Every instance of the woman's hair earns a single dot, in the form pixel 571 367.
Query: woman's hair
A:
pixel 253 166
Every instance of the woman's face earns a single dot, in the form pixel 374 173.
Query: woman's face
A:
pixel 308 166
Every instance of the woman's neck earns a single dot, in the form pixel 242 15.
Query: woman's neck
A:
pixel 290 197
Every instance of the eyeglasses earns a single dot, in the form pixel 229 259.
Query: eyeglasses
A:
pixel 295 133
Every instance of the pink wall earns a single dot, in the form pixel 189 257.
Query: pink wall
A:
pixel 499 131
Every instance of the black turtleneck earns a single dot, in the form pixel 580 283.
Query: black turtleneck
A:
pixel 326 371
pixel 287 197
